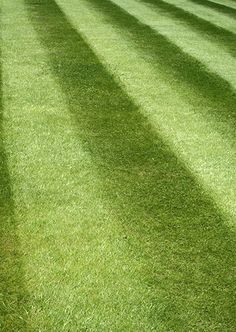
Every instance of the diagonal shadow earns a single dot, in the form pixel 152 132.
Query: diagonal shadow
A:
pixel 176 64
pixel 13 296
pixel 216 34
pixel 217 6
pixel 188 250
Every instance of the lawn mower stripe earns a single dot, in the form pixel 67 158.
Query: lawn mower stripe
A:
pixel 180 118
pixel 121 143
pixel 228 3
pixel 12 288
pixel 216 34
pixel 219 19
pixel 174 62
pixel 167 263
pixel 217 6
pixel 204 52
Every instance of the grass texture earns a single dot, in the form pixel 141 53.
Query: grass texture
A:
pixel 218 7
pixel 109 217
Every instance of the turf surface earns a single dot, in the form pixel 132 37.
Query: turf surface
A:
pixel 117 143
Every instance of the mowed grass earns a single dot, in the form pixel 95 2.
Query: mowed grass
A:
pixel 12 291
pixel 104 227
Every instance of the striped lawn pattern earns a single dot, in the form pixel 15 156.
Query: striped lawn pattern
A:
pixel 117 169
pixel 218 7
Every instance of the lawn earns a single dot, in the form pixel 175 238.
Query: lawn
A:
pixel 118 164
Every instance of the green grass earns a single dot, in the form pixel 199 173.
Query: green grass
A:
pixel 173 59
pixel 207 13
pixel 105 225
pixel 210 30
pixel 218 7
pixel 12 288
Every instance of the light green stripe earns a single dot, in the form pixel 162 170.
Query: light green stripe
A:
pixel 13 295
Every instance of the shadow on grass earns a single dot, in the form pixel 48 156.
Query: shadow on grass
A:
pixel 13 296
pixel 188 253
pixel 217 34
pixel 192 77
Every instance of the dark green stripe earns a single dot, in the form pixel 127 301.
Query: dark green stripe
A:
pixel 188 251
pixel 216 34
pixel 191 76
pixel 217 6
pixel 13 297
